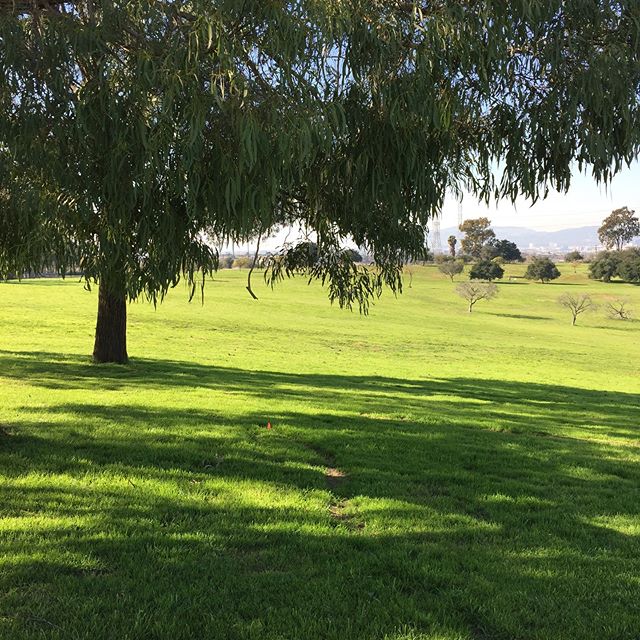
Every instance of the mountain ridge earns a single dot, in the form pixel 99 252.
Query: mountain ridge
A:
pixel 525 238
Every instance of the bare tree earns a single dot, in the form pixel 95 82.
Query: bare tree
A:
pixel 451 268
pixel 577 304
pixel 473 292
pixel 619 310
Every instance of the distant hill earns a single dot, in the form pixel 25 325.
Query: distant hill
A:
pixel 586 237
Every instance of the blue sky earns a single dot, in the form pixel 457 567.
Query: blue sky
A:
pixel 586 203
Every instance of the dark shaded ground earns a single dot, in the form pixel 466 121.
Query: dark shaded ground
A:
pixel 469 508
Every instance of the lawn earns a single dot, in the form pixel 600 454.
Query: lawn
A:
pixel 429 474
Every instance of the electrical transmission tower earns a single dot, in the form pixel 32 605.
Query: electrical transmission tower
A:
pixel 460 220
pixel 437 240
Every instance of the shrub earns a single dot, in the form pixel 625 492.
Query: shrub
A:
pixel 243 262
pixel 486 270
pixel 629 265
pixel 542 269
pixel 605 266
pixel 504 249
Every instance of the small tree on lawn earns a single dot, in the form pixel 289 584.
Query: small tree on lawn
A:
pixel 473 292
pixel 619 310
pixel 451 268
pixel 542 269
pixel 574 257
pixel 576 304
pixel 486 270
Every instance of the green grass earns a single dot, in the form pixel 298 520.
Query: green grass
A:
pixel 491 468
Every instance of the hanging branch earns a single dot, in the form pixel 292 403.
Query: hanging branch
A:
pixel 253 266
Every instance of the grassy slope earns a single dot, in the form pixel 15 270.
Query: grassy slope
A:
pixel 492 478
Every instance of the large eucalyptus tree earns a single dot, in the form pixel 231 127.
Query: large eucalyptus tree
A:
pixel 128 127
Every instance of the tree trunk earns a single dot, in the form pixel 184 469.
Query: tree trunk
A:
pixel 470 307
pixel 573 322
pixel 111 329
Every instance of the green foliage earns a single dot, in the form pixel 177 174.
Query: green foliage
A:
pixel 225 261
pixel 623 264
pixel 605 266
pixel 465 257
pixel 348 283
pixel 629 266
pixel 574 256
pixel 486 270
pixel 504 249
pixel 619 228
pixel 542 269
pixel 478 233
pixel 127 128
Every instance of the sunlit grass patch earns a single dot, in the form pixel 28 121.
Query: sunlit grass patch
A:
pixel 427 474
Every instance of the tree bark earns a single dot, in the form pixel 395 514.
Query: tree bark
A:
pixel 111 329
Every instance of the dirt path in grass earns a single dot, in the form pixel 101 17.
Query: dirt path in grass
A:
pixel 335 478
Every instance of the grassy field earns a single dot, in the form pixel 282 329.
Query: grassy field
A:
pixel 429 474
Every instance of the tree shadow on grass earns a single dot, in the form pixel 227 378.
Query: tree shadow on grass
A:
pixel 459 493
pixel 500 404
pixel 519 316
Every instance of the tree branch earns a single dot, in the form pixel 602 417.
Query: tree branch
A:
pixel 253 266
